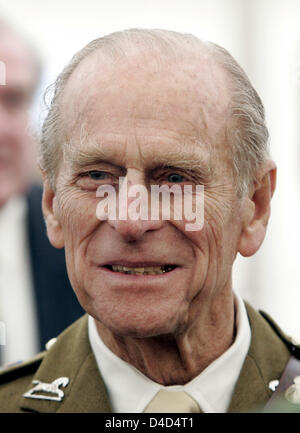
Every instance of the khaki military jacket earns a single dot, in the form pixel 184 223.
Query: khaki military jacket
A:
pixel 83 389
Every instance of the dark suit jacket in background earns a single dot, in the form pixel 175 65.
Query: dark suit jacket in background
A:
pixel 56 304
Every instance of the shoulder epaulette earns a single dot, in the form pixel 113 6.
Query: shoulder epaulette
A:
pixel 293 348
pixel 13 371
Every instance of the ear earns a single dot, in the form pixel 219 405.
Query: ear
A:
pixel 50 211
pixel 256 211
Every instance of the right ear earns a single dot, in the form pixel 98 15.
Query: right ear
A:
pixel 51 215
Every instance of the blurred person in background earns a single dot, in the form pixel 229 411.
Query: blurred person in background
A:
pixel 36 301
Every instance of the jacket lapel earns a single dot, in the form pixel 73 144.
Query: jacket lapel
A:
pixel 88 392
pixel 266 360
pixel 70 357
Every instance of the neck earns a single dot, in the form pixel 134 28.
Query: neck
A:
pixel 177 359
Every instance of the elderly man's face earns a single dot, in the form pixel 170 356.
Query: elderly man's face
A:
pixel 16 150
pixel 152 127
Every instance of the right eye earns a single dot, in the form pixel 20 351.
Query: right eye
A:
pixel 91 180
pixel 97 175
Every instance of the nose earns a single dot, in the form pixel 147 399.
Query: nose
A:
pixel 133 230
pixel 134 213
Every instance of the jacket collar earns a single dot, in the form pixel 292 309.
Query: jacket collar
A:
pixel 265 361
pixel 70 357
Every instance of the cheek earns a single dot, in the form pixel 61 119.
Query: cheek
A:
pixel 77 214
pixel 211 232
pixel 79 223
pixel 221 231
pixel 217 241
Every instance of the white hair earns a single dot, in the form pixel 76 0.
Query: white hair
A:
pixel 246 130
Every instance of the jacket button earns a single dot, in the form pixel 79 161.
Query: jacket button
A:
pixel 50 343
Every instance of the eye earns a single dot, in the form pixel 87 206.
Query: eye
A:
pixel 97 175
pixel 175 178
pixel 90 180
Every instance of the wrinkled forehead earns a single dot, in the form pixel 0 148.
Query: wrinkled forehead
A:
pixel 188 95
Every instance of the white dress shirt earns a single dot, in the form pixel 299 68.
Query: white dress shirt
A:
pixel 17 307
pixel 130 391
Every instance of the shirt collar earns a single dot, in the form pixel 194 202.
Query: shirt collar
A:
pixel 212 388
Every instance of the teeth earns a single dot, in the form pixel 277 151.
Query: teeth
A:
pixel 150 270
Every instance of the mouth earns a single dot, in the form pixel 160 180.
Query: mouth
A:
pixel 141 270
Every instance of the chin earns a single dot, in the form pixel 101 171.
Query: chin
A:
pixel 139 318
pixel 147 327
pixel 135 332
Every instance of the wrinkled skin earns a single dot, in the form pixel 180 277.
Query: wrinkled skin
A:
pixel 135 120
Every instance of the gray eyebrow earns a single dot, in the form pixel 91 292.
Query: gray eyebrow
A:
pixel 181 157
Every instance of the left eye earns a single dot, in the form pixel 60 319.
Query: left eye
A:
pixel 97 175
pixel 175 178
